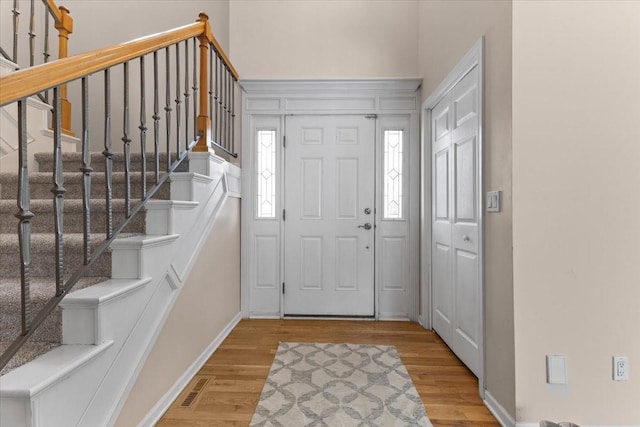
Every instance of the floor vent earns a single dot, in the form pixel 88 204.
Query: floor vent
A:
pixel 191 397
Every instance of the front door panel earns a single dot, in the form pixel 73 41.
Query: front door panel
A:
pixel 329 182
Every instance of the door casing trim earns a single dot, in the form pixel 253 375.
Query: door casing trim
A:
pixel 278 98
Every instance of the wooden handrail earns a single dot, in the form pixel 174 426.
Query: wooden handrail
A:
pixel 24 83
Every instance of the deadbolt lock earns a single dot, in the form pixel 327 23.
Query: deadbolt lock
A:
pixel 367 211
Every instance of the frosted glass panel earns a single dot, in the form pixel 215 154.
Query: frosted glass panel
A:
pixel 393 174
pixel 266 169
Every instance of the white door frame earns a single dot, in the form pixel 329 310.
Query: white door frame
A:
pixel 473 58
pixel 273 100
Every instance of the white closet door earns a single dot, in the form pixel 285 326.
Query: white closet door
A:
pixel 455 162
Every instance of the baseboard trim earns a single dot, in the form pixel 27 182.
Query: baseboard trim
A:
pixel 498 411
pixel 165 402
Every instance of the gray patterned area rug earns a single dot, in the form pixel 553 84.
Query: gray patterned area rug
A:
pixel 338 385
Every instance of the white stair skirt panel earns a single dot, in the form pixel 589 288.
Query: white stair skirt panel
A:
pixel 110 328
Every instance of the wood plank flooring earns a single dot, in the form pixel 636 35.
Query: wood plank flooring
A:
pixel 238 369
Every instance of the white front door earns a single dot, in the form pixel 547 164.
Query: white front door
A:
pixel 330 221
pixel 455 202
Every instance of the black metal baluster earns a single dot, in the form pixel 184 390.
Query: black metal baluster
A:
pixel 213 97
pixel 127 143
pixel 58 189
pixel 107 153
pixel 229 112
pixel 195 88
pixel 187 94
pixel 32 34
pixel 143 132
pixel 233 115
pixel 46 53
pixel 225 108
pixel 167 107
pixel 86 173
pixel 178 100
pixel 16 24
pixel 156 118
pixel 219 93
pixel 24 215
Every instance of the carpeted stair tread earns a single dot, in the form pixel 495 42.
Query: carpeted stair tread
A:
pixel 41 290
pixel 73 161
pixel 43 242
pixel 42 255
pixel 27 353
pixel 73 216
pixel 41 183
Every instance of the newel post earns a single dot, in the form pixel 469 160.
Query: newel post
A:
pixel 204 121
pixel 64 27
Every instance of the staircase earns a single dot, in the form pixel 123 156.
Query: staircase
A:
pixel 78 367
pixel 90 349
pixel 43 244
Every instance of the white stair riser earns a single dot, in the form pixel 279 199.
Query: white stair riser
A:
pixel 190 186
pixel 79 326
pixel 206 164
pixel 166 218
pixel 133 263
pixel 94 322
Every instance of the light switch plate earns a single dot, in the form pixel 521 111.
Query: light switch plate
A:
pixel 556 369
pixel 493 201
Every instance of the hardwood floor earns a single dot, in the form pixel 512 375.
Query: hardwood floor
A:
pixel 237 371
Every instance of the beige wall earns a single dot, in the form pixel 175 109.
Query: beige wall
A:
pixel 209 300
pixel 448 29
pixel 576 157
pixel 100 23
pixel 324 39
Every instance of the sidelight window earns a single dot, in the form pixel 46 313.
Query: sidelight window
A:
pixel 393 174
pixel 266 173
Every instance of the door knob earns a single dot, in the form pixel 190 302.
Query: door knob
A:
pixel 466 238
pixel 366 226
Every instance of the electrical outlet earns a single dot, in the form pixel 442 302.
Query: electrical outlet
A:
pixel 620 368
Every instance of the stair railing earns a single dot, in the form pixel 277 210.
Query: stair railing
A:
pixel 192 83
pixel 62 22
